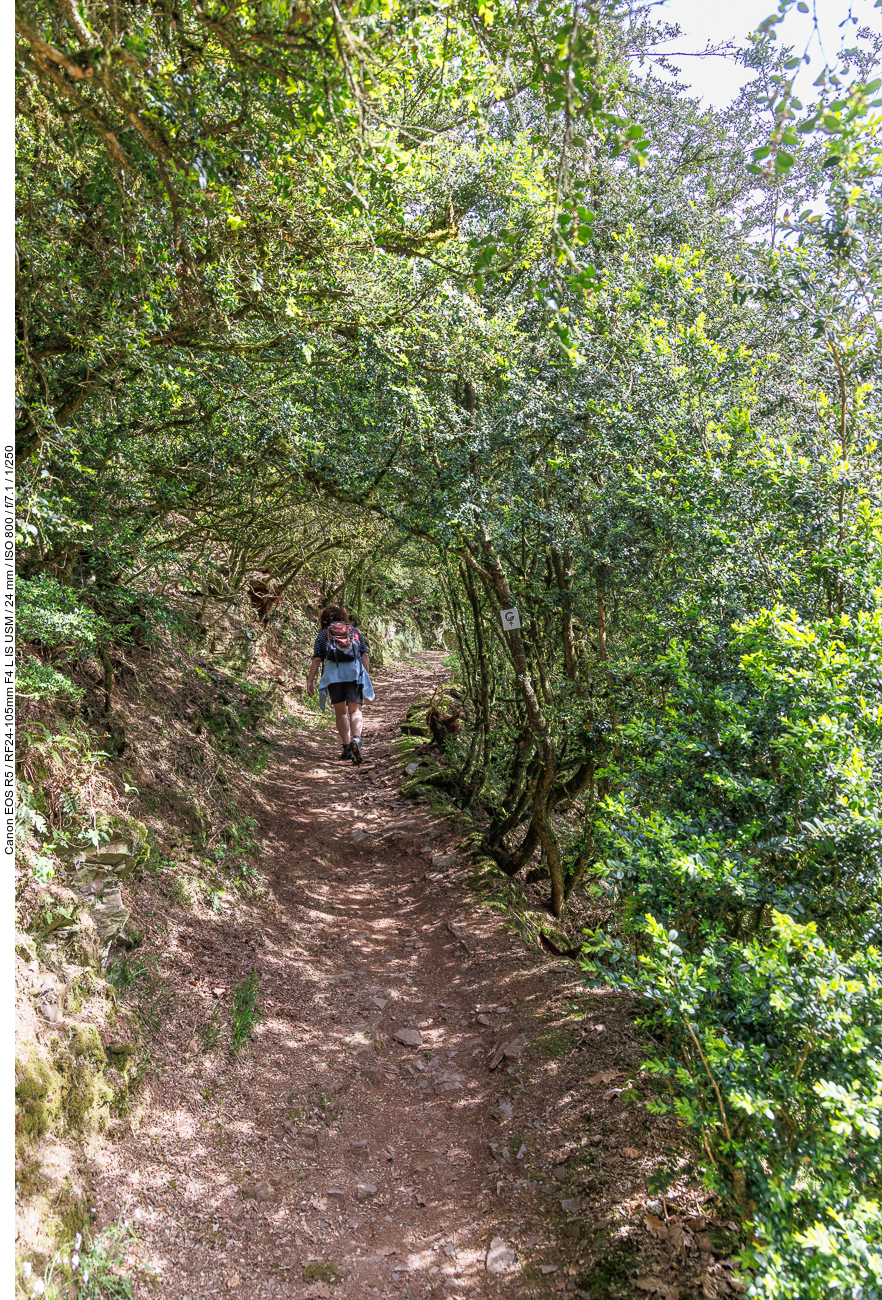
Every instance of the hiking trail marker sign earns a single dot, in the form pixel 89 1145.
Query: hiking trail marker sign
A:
pixel 511 619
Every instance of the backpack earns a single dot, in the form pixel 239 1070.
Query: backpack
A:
pixel 343 643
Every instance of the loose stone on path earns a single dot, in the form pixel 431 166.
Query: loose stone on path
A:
pixel 500 1257
pixel 409 1037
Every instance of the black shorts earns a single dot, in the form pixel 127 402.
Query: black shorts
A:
pixel 345 692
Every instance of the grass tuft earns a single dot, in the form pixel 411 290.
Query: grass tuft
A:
pixel 246 1012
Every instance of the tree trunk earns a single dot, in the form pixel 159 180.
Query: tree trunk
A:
pixel 516 797
pixel 493 575
pixel 542 819
pixel 604 655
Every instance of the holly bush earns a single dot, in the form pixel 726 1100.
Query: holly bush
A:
pixel 745 853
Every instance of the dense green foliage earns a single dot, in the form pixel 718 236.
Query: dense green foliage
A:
pixel 456 307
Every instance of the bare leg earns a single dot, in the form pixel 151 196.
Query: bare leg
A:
pixel 341 717
pixel 355 718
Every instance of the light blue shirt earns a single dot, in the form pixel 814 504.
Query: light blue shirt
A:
pixel 354 671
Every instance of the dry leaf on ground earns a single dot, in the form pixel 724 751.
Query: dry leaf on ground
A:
pixel 656 1226
pixel 605 1076
pixel 657 1287
pixel 679 1239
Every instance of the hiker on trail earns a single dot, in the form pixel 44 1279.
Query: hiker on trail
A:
pixel 343 651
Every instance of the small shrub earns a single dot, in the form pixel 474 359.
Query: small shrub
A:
pixel 38 681
pixel 54 617
pixel 216 899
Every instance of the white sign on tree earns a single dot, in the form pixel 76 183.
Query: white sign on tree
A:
pixel 511 619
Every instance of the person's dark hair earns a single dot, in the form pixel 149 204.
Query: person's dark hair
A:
pixel 332 614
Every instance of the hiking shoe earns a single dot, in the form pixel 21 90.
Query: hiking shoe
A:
pixel 346 752
pixel 355 747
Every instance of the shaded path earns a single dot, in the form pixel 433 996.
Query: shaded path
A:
pixel 331 1152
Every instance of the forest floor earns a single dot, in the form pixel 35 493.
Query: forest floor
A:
pixel 502 1148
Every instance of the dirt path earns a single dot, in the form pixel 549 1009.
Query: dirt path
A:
pixel 332 1158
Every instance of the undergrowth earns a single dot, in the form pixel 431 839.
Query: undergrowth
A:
pixel 102 1265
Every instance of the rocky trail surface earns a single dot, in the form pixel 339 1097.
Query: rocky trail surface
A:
pixel 421 1112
